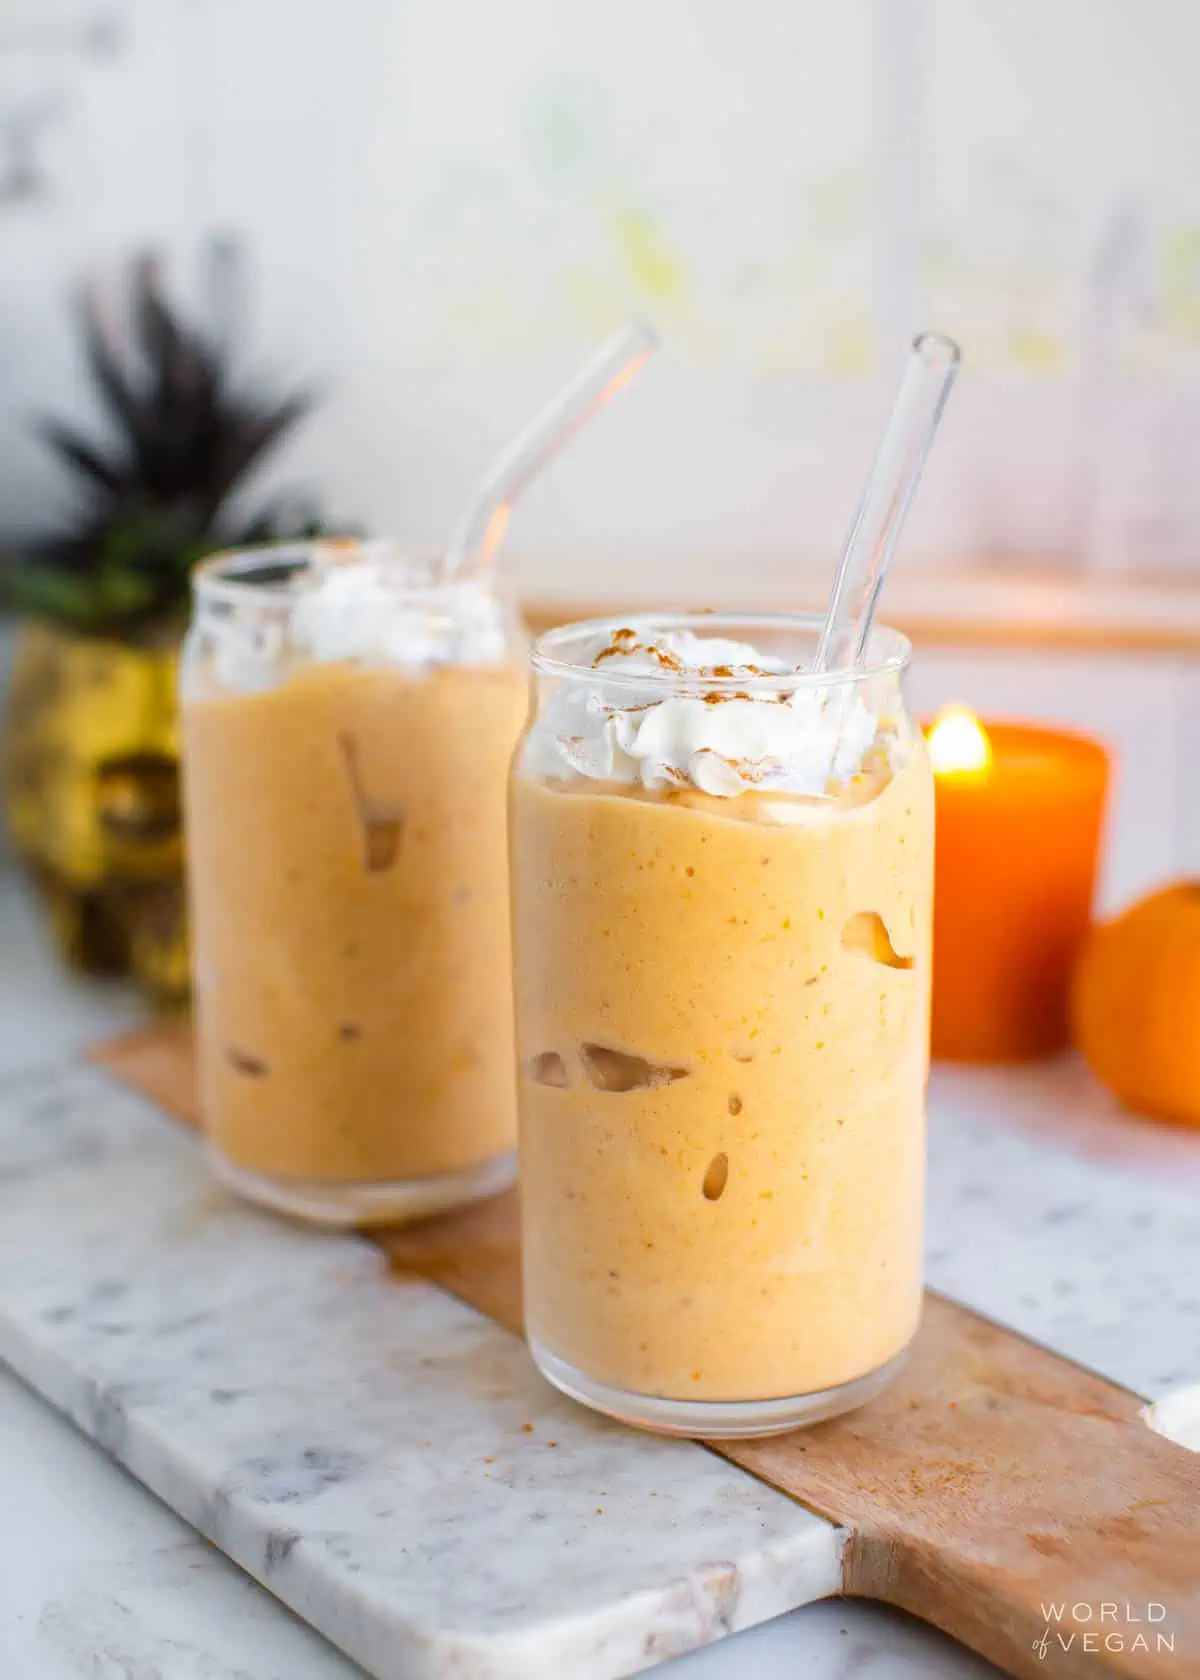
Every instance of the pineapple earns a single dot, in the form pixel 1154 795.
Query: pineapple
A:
pixel 92 759
pixel 156 499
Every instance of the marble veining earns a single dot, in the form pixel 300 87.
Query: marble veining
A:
pixel 153 1619
pixel 389 1464
pixel 100 1581
pixel 1074 1223
pixel 380 1456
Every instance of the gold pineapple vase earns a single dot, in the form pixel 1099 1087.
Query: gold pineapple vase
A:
pixel 93 800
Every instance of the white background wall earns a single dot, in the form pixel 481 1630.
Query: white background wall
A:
pixel 447 203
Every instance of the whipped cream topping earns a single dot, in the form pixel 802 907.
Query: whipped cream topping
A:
pixel 372 610
pixel 722 741
pixel 396 613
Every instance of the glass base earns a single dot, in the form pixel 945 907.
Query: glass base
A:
pixel 348 1203
pixel 715 1420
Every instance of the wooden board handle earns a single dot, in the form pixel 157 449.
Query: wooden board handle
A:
pixel 1009 1497
pixel 1014 1500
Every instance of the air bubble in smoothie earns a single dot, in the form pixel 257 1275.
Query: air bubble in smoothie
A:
pixel 617 1070
pixel 548 1069
pixel 866 931
pixel 716 1178
pixel 380 822
pixel 253 1067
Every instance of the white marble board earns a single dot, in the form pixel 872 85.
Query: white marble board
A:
pixel 361 1445
pixel 380 1456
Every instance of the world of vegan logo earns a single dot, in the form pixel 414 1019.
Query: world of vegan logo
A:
pixel 1103 1627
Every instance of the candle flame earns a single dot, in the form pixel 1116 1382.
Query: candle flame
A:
pixel 958 741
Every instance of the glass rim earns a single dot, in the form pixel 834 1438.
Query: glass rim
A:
pixel 889 652
pixel 236 575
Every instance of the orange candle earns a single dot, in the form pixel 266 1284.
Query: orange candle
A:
pixel 1019 812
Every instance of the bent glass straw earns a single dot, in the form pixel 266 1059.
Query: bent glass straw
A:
pixel 479 533
pixel 932 364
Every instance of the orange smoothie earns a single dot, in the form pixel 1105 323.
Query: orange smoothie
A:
pixel 723 1041
pixel 346 833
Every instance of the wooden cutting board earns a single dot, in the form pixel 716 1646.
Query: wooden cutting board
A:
pixel 997 1491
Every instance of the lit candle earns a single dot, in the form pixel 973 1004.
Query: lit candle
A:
pixel 1019 812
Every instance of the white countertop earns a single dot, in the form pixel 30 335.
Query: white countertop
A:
pixel 97 1579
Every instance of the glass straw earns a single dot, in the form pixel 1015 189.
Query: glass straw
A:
pixel 928 376
pixel 481 530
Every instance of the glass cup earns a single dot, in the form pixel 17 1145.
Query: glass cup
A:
pixel 348 721
pixel 722 989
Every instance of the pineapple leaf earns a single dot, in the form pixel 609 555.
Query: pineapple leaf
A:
pixel 163 343
pixel 78 599
pixel 183 372
pixel 104 364
pixel 255 434
pixel 224 288
pixel 185 438
pixel 80 454
pixel 122 594
pixel 49 593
